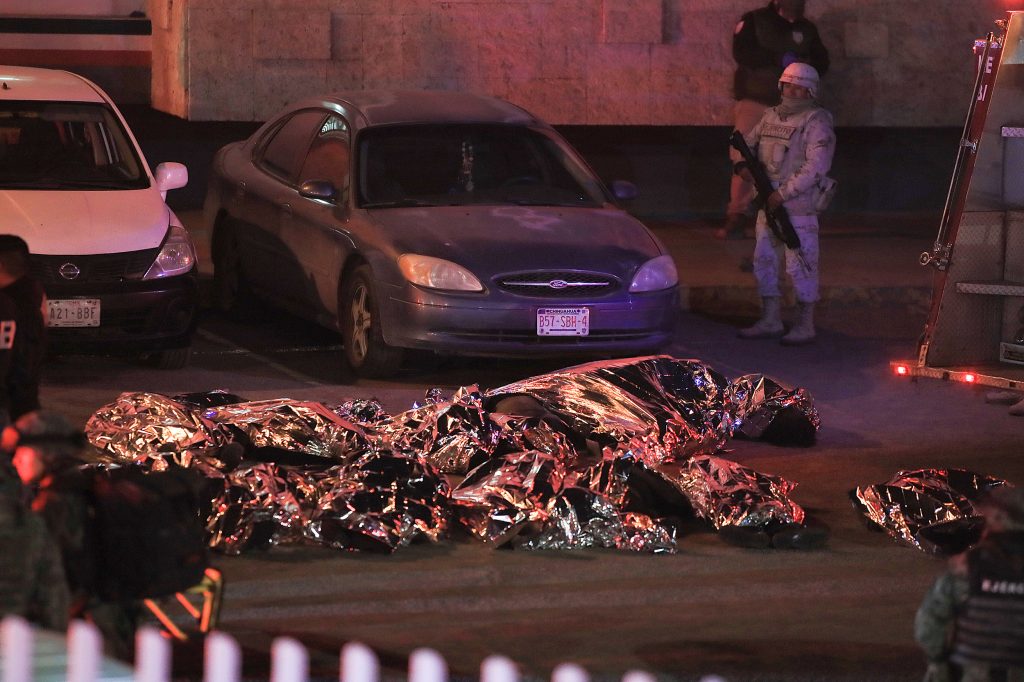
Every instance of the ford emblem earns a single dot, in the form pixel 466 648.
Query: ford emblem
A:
pixel 558 284
pixel 69 271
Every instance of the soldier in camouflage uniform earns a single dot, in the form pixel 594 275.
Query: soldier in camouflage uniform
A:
pixel 32 583
pixel 46 456
pixel 973 616
pixel 795 142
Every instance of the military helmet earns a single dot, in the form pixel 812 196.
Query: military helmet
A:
pixel 799 73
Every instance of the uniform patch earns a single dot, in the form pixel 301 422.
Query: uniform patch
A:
pixel 7 330
pixel 798 37
pixel 777 130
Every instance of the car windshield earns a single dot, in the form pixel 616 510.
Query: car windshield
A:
pixel 65 146
pixel 456 165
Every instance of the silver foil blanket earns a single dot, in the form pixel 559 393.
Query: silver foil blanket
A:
pixel 448 434
pixel 728 494
pixel 523 498
pixel 657 408
pixel 582 465
pixel 378 502
pixel 934 510
pixel 765 409
pixel 307 427
pixel 149 428
pixel 140 427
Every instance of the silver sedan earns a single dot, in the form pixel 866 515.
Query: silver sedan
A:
pixel 443 221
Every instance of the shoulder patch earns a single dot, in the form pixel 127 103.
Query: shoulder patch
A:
pixel 739 27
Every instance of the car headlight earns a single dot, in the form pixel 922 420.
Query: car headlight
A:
pixel 436 273
pixel 654 275
pixel 176 257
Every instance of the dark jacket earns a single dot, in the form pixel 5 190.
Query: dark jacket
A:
pixel 764 44
pixel 29 345
pixel 8 335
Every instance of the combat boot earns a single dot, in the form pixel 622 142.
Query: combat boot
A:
pixel 770 324
pixel 802 332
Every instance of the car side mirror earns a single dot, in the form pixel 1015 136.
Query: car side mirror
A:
pixel 170 175
pixel 321 190
pixel 624 190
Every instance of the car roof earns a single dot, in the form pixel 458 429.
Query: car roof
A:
pixel 29 83
pixel 386 107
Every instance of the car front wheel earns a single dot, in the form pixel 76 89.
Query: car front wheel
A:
pixel 365 350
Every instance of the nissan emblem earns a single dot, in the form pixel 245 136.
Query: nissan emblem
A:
pixel 69 271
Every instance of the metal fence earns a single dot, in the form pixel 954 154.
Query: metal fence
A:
pixel 31 655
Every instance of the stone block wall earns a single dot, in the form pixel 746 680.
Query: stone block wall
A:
pixel 573 62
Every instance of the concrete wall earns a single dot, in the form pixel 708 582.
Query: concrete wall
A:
pixel 579 62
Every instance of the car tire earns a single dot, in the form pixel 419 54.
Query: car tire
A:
pixel 171 358
pixel 231 292
pixel 365 351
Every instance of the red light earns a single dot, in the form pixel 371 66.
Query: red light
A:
pixel 902 370
pixel 969 378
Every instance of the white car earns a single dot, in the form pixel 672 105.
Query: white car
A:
pixel 118 267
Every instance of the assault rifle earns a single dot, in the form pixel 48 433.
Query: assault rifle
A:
pixel 778 218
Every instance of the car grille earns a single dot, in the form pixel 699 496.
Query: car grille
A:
pixel 107 267
pixel 555 284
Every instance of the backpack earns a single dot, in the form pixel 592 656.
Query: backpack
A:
pixel 149 538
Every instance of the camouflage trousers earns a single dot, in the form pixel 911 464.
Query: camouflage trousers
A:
pixel 771 258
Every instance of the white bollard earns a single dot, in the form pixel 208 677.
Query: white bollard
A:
pixel 359 663
pixel 289 661
pixel 638 676
pixel 17 643
pixel 152 656
pixel 498 669
pixel 85 652
pixel 222 659
pixel 569 672
pixel 426 665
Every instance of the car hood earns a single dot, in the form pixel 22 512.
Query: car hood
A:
pixel 84 223
pixel 495 239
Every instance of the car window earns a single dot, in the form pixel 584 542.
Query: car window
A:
pixel 66 145
pixel 285 149
pixel 328 155
pixel 459 164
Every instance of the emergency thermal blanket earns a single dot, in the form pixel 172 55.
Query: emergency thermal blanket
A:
pixel 596 455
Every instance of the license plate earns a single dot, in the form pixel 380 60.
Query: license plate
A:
pixel 73 312
pixel 563 321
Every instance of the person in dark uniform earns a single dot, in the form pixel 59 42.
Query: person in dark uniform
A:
pixel 764 43
pixel 32 582
pixel 972 619
pixel 8 332
pixel 47 453
pixel 29 343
